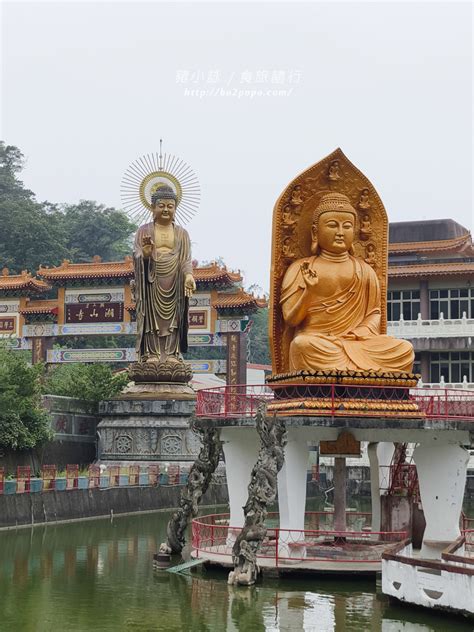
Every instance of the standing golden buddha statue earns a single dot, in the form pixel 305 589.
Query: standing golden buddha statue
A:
pixel 163 285
pixel 163 282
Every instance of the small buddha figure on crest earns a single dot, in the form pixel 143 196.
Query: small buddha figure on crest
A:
pixel 334 173
pixel 365 228
pixel 288 219
pixel 364 200
pixel 370 256
pixel 332 301
pixel 296 198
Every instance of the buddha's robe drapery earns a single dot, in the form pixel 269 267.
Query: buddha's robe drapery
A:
pixel 161 305
pixel 321 341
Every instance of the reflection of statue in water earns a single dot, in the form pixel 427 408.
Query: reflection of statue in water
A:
pixel 333 301
pixel 164 282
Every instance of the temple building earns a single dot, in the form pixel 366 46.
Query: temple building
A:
pixel 96 298
pixel 430 299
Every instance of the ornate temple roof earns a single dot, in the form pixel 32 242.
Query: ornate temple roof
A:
pixel 40 307
pixel 456 244
pixel 228 301
pixel 214 273
pixel 97 269
pixel 432 269
pixel 24 282
pixel 238 300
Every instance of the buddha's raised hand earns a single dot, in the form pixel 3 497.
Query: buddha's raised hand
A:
pixel 310 276
pixel 147 246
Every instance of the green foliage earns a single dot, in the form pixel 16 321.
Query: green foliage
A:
pixel 259 345
pixel 36 233
pixel 92 382
pixel 23 422
pixel 94 229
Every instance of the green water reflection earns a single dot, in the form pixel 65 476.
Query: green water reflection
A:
pixel 98 576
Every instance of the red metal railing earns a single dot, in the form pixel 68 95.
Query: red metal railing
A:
pixel 281 546
pixel 243 401
pixel 467 524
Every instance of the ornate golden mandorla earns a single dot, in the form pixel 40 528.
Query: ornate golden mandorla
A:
pixel 329 277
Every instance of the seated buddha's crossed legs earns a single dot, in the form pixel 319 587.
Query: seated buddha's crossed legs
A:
pixel 314 352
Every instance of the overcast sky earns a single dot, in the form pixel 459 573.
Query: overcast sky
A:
pixel 89 87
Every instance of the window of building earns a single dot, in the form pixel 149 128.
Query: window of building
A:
pixel 403 302
pixel 452 365
pixel 452 303
pixel 417 363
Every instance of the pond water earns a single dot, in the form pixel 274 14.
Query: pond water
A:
pixel 97 575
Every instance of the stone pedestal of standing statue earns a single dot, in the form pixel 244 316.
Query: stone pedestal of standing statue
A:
pixel 150 420
pixel 145 430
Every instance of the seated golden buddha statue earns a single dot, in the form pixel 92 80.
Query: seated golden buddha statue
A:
pixel 333 301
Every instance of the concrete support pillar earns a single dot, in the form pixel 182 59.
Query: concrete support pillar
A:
pixel 424 300
pixel 339 481
pixel 241 446
pixel 425 366
pixel 442 476
pixel 292 493
pixel 380 457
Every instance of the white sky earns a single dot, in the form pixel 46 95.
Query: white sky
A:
pixel 89 87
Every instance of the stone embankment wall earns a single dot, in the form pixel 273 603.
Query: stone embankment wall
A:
pixel 27 509
pixel 77 504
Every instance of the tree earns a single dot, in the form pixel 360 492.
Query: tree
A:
pixel 36 233
pixel 31 233
pixel 24 423
pixel 94 229
pixel 92 382
pixel 259 345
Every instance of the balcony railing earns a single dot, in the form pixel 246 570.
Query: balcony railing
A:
pixel 213 536
pixel 244 400
pixel 439 328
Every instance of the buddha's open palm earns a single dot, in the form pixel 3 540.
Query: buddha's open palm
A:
pixel 189 285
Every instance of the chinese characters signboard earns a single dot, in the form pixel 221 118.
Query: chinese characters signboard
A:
pixel 236 359
pixel 7 324
pixel 197 319
pixel 94 313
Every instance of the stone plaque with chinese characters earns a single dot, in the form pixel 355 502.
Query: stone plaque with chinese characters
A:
pixel 94 313
pixel 7 324
pixel 197 319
